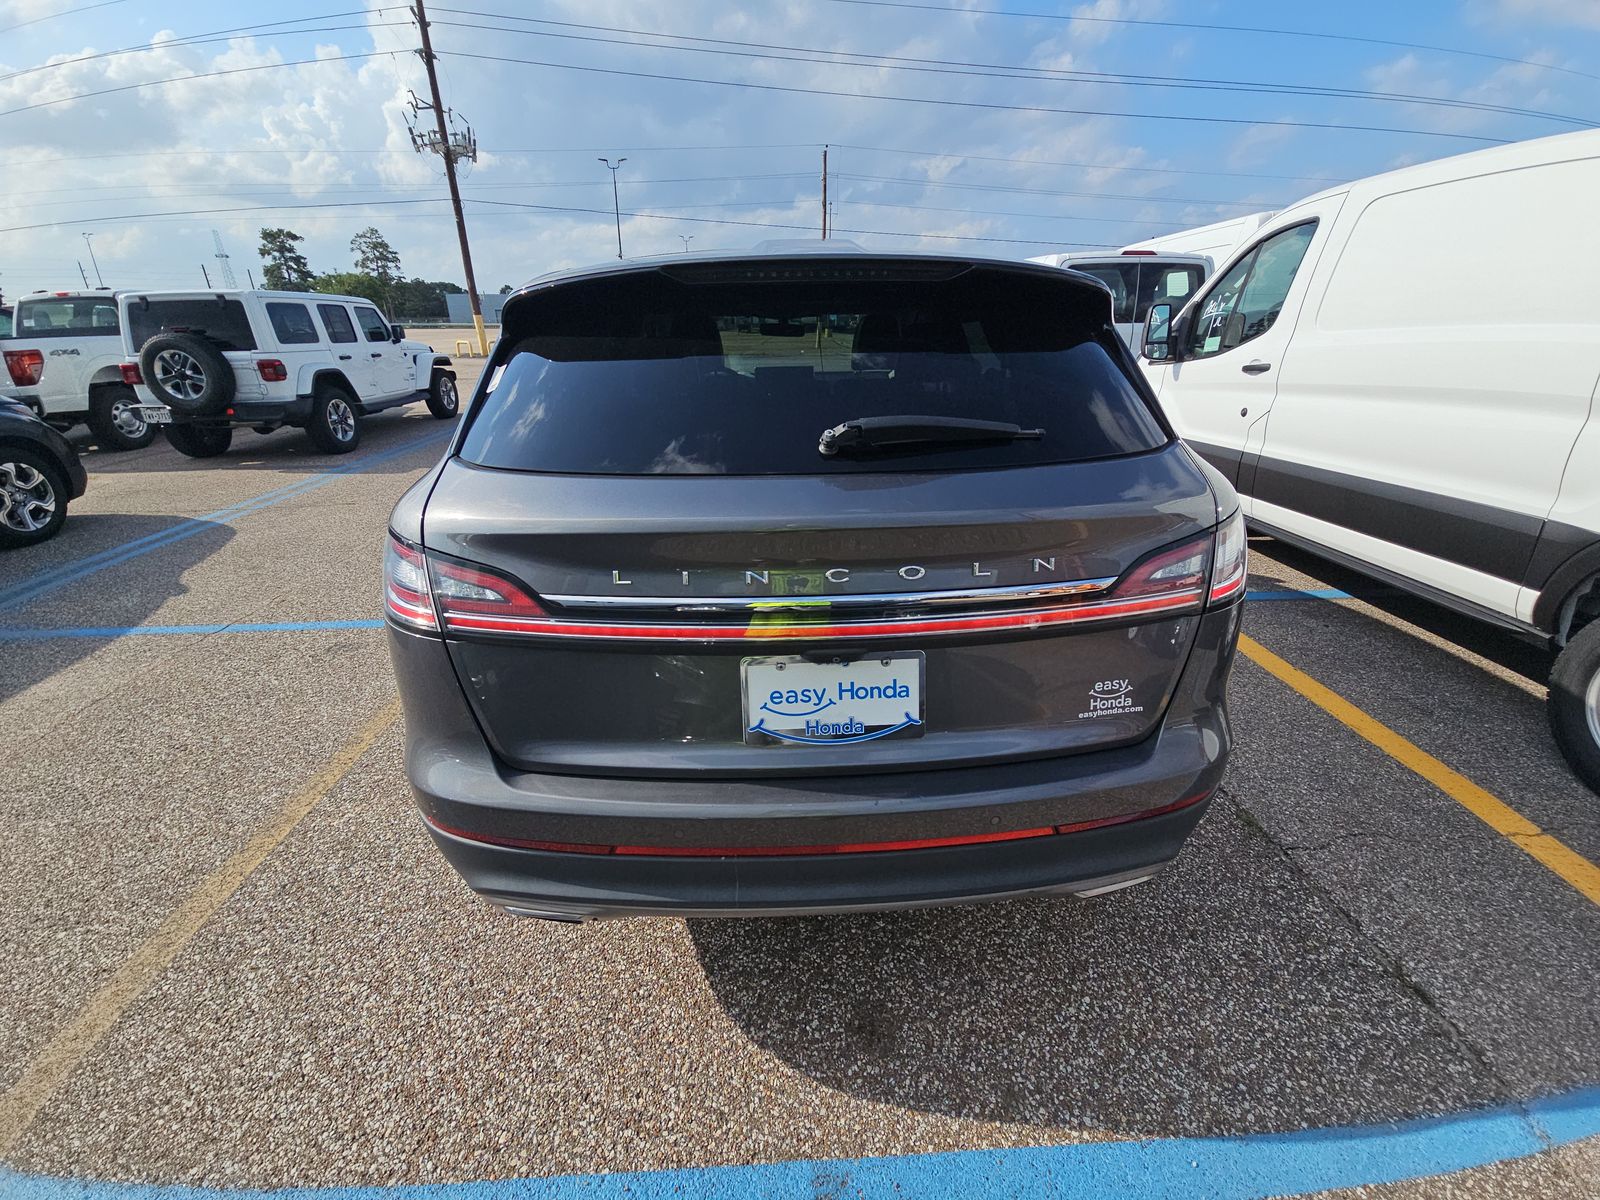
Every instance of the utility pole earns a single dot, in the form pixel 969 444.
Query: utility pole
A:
pixel 93 260
pixel 616 204
pixel 824 193
pixel 85 275
pixel 450 148
pixel 686 241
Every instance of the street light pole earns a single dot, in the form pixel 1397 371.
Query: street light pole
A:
pixel 93 260
pixel 616 204
pixel 686 241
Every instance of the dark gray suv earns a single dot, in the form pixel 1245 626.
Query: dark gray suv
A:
pixel 798 581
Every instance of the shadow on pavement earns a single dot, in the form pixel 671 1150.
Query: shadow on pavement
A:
pixel 27 663
pixel 1497 645
pixel 282 450
pixel 1227 996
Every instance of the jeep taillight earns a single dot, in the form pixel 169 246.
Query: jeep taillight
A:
pixel 272 370
pixel 26 366
pixel 130 374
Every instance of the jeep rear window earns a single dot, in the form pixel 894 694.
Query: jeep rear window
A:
pixel 644 374
pixel 224 321
pixel 88 316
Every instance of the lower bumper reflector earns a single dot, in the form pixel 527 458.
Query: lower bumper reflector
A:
pixel 975 839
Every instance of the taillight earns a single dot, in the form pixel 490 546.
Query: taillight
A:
pixel 1177 571
pixel 272 370
pixel 472 598
pixel 405 587
pixel 130 374
pixel 25 366
pixel 1229 571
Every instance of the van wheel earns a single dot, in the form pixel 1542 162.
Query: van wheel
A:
pixel 115 418
pixel 1574 705
pixel 334 427
pixel 199 441
pixel 443 399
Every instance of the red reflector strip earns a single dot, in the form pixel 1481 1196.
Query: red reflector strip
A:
pixel 1228 590
pixel 975 839
pixel 1105 610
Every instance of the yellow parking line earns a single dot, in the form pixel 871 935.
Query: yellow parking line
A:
pixel 1493 812
pixel 51 1067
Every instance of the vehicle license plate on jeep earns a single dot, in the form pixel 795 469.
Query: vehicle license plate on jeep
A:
pixel 836 701
pixel 155 414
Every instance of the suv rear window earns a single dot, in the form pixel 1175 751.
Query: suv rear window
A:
pixel 224 321
pixel 644 374
pixel 86 316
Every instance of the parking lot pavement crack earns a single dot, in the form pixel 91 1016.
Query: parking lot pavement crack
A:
pixel 1392 964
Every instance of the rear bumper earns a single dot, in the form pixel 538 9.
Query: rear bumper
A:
pixel 474 805
pixel 249 413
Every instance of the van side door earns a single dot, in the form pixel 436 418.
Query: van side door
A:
pixel 1439 380
pixel 1235 335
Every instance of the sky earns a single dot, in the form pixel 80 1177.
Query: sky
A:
pixel 1021 126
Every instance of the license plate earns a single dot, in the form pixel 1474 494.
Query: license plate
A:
pixel 155 414
pixel 803 702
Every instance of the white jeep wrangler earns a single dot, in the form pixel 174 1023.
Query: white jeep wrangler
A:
pixel 63 360
pixel 207 362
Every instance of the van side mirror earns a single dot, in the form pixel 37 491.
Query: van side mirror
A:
pixel 396 332
pixel 1158 342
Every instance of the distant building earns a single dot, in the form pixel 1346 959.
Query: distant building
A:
pixel 458 306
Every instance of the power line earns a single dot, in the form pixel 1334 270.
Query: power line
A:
pixel 939 66
pixel 986 105
pixel 1212 28
pixel 204 39
pixel 1083 166
pixel 66 12
pixel 997 187
pixel 130 87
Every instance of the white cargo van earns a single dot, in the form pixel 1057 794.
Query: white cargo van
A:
pixel 1391 380
pixel 1216 241
pixel 1137 279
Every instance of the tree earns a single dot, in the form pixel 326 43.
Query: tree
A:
pixel 352 283
pixel 284 268
pixel 375 257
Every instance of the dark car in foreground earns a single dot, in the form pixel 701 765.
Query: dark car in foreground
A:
pixel 801 581
pixel 39 474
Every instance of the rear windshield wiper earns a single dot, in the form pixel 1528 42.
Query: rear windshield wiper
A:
pixel 872 433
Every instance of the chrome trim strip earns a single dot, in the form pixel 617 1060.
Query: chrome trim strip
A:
pixel 714 604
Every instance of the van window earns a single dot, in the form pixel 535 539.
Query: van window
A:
pixel 336 319
pixel 222 320
pixel 642 374
pixel 1123 280
pixel 1137 284
pixel 291 324
pixel 1246 301
pixel 52 318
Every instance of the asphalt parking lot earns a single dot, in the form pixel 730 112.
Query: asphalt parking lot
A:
pixel 233 958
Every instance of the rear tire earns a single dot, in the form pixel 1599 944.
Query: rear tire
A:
pixel 334 427
pixel 1574 704
pixel 199 441
pixel 444 401
pixel 115 418
pixel 33 497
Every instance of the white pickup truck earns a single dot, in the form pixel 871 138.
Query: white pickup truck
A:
pixel 64 360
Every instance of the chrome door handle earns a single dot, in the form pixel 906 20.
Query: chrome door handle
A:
pixel 1256 367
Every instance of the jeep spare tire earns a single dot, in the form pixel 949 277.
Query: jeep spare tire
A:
pixel 187 373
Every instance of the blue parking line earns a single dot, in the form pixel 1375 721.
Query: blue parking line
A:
pixel 1223 1168
pixel 120 631
pixel 31 589
pixel 1301 594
